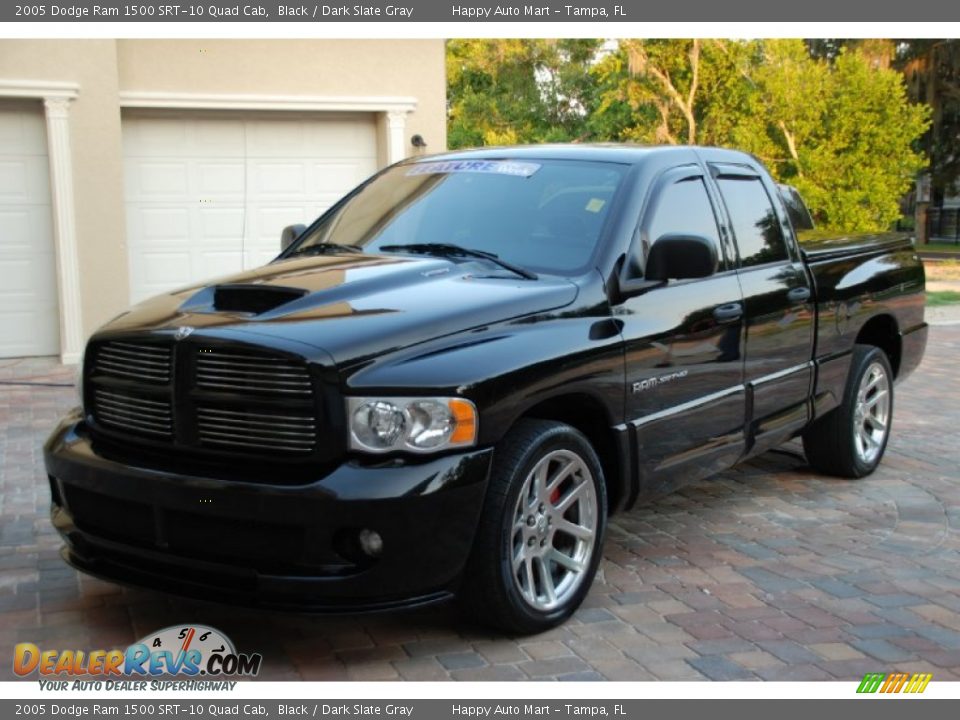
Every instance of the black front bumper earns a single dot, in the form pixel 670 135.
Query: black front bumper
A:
pixel 268 544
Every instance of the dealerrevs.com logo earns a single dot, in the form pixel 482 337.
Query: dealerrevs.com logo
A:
pixel 179 650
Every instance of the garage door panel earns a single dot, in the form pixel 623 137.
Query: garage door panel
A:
pixel 275 138
pixel 153 224
pixel 163 267
pixel 161 180
pixel 24 180
pixel 267 222
pixel 278 179
pixel 331 178
pixel 29 322
pixel 242 179
pixel 213 264
pixel 22 131
pixel 341 139
pixel 221 223
pixel 222 180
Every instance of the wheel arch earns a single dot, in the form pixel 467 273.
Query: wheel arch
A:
pixel 589 415
pixel 883 331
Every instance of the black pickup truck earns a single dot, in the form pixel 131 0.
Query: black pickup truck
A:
pixel 449 381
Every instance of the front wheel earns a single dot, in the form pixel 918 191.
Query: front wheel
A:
pixel 540 536
pixel 850 440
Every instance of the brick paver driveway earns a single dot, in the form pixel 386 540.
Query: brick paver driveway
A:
pixel 767 571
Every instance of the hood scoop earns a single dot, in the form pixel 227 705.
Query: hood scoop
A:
pixel 255 299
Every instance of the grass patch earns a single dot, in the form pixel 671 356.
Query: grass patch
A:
pixel 938 247
pixel 942 297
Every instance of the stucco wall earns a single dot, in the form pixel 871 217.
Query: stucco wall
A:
pixel 297 67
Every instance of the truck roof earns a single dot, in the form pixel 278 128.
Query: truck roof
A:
pixel 628 154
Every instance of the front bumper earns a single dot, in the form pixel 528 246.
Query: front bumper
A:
pixel 266 544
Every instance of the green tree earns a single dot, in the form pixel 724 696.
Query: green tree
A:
pixel 504 92
pixel 831 118
pixel 843 133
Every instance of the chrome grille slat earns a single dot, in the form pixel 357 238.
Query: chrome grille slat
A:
pixel 147 411
pixel 203 354
pixel 125 360
pixel 205 360
pixel 282 432
pixel 242 386
pixel 131 418
pixel 306 436
pixel 124 355
pixel 133 414
pixel 241 424
pixel 234 373
pixel 256 374
pixel 246 443
pixel 110 365
pixel 298 439
pixel 272 416
pixel 124 424
pixel 140 400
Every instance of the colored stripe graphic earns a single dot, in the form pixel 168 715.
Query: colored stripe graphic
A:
pixel 894 682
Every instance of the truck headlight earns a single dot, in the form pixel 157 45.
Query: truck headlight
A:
pixel 415 424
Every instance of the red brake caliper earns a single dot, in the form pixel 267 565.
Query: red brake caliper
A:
pixel 554 496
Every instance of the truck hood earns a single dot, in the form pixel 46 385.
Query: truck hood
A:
pixel 352 306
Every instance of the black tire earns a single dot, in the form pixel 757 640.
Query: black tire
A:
pixel 831 444
pixel 491 592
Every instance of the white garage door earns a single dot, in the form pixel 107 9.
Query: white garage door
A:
pixel 28 289
pixel 208 194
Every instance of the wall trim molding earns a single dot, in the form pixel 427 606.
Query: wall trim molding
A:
pixel 57 98
pixel 312 103
pixel 39 89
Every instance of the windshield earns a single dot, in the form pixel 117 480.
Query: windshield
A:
pixel 542 214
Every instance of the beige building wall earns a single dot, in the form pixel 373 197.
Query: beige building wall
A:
pixel 103 69
pixel 352 68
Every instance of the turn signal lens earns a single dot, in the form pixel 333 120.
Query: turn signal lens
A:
pixel 420 425
pixel 465 417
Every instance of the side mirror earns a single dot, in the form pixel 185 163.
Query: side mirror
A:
pixel 290 234
pixel 680 257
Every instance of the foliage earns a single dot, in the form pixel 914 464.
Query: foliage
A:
pixel 843 133
pixel 504 92
pixel 837 124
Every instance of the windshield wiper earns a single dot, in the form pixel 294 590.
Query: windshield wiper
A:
pixel 451 250
pixel 324 248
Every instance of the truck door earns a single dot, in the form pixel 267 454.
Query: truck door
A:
pixel 777 293
pixel 684 347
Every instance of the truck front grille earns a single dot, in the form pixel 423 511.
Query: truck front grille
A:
pixel 141 362
pixel 268 430
pixel 253 372
pixel 129 412
pixel 212 397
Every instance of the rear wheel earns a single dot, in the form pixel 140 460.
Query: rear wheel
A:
pixel 851 439
pixel 541 533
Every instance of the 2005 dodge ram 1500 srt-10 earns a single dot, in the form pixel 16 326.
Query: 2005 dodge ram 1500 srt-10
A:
pixel 448 382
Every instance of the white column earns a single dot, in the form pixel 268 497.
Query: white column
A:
pixel 396 136
pixel 64 228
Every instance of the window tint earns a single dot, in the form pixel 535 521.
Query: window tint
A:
pixel 546 215
pixel 755 222
pixel 683 208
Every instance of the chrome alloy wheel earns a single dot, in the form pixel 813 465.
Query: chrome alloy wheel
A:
pixel 871 415
pixel 554 530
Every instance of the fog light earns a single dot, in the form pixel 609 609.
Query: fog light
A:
pixel 371 543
